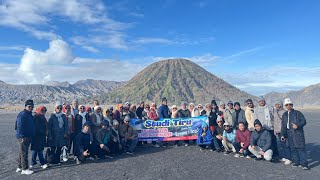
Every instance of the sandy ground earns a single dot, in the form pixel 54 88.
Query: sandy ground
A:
pixel 165 163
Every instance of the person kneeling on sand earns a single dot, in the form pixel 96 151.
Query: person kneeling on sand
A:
pixel 103 138
pixel 242 141
pixel 229 135
pixel 128 136
pixel 84 143
pixel 260 143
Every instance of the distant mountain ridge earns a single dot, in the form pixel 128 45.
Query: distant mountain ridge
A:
pixel 54 90
pixel 306 97
pixel 178 80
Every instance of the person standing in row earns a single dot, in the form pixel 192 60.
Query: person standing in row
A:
pixel 249 113
pixel 25 130
pixel 293 122
pixel 238 115
pixel 163 110
pixel 74 108
pixel 201 110
pixel 264 113
pixel 39 140
pixel 174 111
pixel 57 132
pixel 228 113
pixel 283 146
pixel 70 119
pixel 140 109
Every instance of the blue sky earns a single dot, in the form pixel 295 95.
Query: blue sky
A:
pixel 258 46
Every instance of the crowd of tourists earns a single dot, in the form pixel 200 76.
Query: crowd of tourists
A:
pixel 264 132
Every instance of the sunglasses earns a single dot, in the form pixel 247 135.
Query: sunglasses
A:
pixel 174 108
pixel 249 103
pixel 30 106
pixel 98 109
pixel 219 121
pixel 81 108
pixel 43 110
pixel 289 105
pixel 59 108
pixel 147 107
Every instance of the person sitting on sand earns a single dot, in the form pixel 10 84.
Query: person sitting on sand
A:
pixel 229 135
pixel 84 144
pixel 217 135
pixel 242 141
pixel 128 135
pixel 260 142
pixel 115 145
pixel 103 139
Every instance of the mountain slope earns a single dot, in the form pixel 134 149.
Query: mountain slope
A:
pixel 306 97
pixel 178 80
pixel 55 90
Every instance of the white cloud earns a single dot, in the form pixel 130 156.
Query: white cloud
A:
pixel 146 40
pixel 33 61
pixel 12 48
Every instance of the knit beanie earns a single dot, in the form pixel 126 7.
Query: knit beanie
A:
pixel 237 103
pixel 29 102
pixel 257 122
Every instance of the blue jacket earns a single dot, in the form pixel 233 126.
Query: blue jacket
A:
pixel 163 112
pixel 206 140
pixel 230 136
pixel 25 125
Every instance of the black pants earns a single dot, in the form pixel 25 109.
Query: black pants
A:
pixel 23 153
pixel 114 147
pixel 274 144
pixel 56 154
pixel 91 150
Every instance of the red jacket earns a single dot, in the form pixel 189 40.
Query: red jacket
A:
pixel 243 137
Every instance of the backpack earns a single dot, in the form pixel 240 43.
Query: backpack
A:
pixel 49 155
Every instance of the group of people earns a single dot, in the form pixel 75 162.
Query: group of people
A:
pixel 266 132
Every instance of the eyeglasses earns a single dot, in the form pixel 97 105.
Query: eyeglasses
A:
pixel 289 105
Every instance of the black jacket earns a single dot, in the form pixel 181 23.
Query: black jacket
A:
pixel 261 139
pixel 39 140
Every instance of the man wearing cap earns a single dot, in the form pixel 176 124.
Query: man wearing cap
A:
pixel 25 130
pixel 84 143
pixel 260 142
pixel 163 111
pixel 128 136
pixel 249 113
pixel 293 122
pixel 283 146
pixel 218 135
pixel 229 112
pixel 265 114
pixel 229 135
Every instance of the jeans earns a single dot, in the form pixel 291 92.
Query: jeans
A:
pixel 131 143
pixel 237 146
pixel 40 156
pixel 23 153
pixel 217 143
pixel 267 155
pixel 299 156
pixel 283 148
pixel 228 146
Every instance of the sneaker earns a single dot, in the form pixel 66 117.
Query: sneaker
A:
pixel 110 157
pixel 248 157
pixel 283 159
pixel 129 152
pixel 202 149
pixel 236 155
pixel 78 161
pixel 226 153
pixel 45 166
pixel 305 168
pixel 64 159
pixel 27 172
pixel 31 166
pixel 258 159
pixel 156 145
pixel 295 165
pixel 241 155
pixel 186 145
pixel 287 162
pixel 18 170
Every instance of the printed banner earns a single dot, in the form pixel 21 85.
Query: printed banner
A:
pixel 168 129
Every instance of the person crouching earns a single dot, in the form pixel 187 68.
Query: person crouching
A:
pixel 84 143
pixel 103 139
pixel 260 142
pixel 229 135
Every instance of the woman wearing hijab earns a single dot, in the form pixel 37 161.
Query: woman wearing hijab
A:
pixel 153 114
pixel 57 132
pixel 39 140
pixel 96 119
pixel 70 118
pixel 174 111
pixel 144 114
